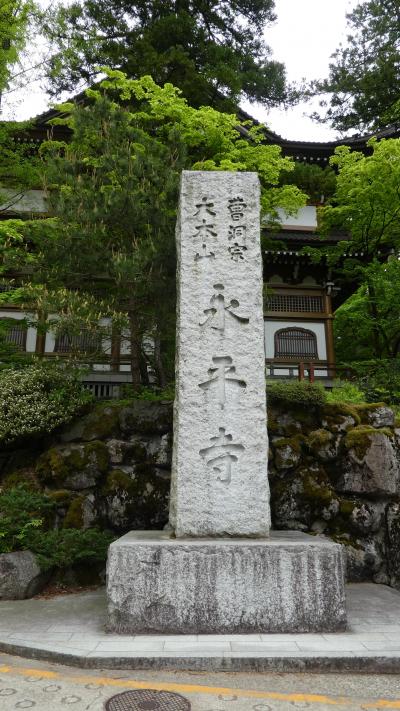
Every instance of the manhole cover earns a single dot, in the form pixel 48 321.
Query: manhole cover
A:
pixel 147 700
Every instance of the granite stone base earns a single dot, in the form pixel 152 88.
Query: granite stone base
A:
pixel 290 582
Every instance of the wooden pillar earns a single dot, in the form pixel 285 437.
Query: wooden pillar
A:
pixel 115 351
pixel 40 335
pixel 330 350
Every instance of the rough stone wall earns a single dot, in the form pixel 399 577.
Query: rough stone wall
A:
pixel 336 470
pixel 333 470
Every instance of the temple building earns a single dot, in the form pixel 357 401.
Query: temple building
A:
pixel 300 297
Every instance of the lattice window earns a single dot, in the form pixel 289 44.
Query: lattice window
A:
pixel 82 343
pixel 296 343
pixel 16 335
pixel 295 302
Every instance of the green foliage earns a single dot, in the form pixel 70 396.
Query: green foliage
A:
pixel 363 82
pixel 110 251
pixel 345 391
pixel 67 546
pixel 318 183
pixel 26 523
pixel 22 511
pixel 367 325
pixel 149 393
pixel 379 380
pixel 366 203
pixel 37 399
pixel 206 49
pixel 297 394
pixel 14 17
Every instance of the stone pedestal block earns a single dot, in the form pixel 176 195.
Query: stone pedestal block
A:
pixel 290 582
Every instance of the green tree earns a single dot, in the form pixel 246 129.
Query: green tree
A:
pixel 364 76
pixel 14 18
pixel 366 330
pixel 113 190
pixel 366 207
pixel 204 48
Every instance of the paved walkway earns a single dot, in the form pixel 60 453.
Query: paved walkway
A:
pixel 70 629
pixel 45 687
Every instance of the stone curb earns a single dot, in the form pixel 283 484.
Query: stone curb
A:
pixel 387 664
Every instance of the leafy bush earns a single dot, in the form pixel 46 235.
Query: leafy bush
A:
pixel 37 399
pixel 149 393
pixel 300 393
pixel 21 512
pixel 25 519
pixel 64 547
pixel 345 391
pixel 379 380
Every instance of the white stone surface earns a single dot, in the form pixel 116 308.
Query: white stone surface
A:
pixel 288 583
pixel 219 478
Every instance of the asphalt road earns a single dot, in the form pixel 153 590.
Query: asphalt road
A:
pixel 26 684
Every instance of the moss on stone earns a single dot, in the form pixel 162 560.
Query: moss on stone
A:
pixel 20 476
pixel 319 438
pixel 365 408
pixel 317 491
pixel 335 414
pixel 359 438
pixel 61 497
pixel 74 516
pixel 346 539
pixel 118 480
pixel 57 464
pixel 346 507
pixel 102 422
pixel 99 452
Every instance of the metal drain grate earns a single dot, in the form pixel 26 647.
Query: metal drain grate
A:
pixel 147 700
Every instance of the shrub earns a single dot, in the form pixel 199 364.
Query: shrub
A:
pixel 37 399
pixel 345 391
pixel 25 519
pixel 150 393
pixel 67 546
pixel 21 512
pixel 300 393
pixel 379 380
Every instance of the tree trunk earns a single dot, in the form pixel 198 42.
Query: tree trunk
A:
pixel 135 344
pixel 158 364
pixel 375 320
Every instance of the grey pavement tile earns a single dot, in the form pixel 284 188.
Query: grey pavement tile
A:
pixel 340 646
pixel 43 637
pixel 133 646
pixel 189 649
pixel 264 647
pixel 206 638
pixel 359 635
pixel 386 646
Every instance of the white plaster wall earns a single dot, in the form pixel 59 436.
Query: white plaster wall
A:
pixel 317 327
pixel 306 217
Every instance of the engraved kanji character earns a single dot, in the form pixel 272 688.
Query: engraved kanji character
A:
pixel 218 378
pixel 237 207
pixel 204 209
pixel 237 252
pixel 221 454
pixel 204 254
pixel 216 314
pixel 205 230
pixel 237 232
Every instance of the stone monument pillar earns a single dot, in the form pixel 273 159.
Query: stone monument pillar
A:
pixel 218 570
pixel 219 471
